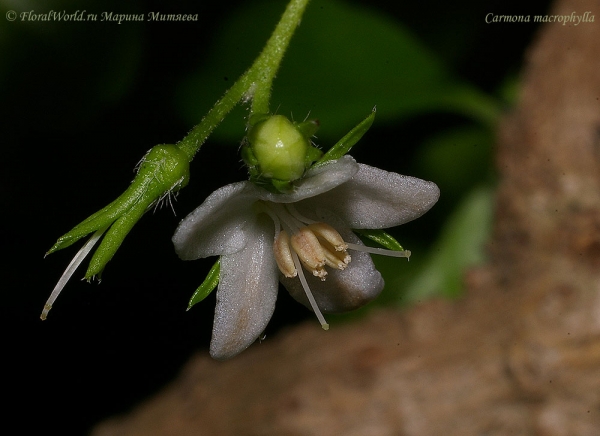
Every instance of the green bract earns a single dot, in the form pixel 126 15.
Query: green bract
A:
pixel 344 145
pixel 208 285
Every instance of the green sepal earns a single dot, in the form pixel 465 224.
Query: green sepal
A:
pixel 163 170
pixel 208 285
pixel 94 222
pixel 282 186
pixel 112 240
pixel 312 155
pixel 344 145
pixel 308 128
pixel 250 160
pixel 256 119
pixel 382 238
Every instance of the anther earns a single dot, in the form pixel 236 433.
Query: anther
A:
pixel 327 233
pixel 283 255
pixel 309 250
pixel 336 259
pixel 333 245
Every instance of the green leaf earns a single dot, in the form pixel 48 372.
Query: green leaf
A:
pixel 208 285
pixel 344 145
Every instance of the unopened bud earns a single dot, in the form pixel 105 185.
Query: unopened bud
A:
pixel 279 149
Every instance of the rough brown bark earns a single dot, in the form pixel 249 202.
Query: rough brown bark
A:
pixel 519 355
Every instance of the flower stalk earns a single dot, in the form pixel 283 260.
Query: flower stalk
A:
pixel 255 84
pixel 165 168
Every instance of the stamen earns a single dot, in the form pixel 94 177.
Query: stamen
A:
pixel 326 232
pixel 283 255
pixel 382 251
pixel 81 254
pixel 263 207
pixel 287 221
pixel 333 245
pixel 309 295
pixel 335 259
pixel 310 252
pixel 294 212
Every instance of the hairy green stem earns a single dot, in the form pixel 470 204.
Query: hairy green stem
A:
pixel 267 64
pixel 255 83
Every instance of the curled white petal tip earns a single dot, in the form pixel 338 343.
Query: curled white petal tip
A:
pixel 79 257
pixel 44 314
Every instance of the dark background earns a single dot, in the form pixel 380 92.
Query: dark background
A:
pixel 81 103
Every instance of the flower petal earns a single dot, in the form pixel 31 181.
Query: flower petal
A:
pixel 316 181
pixel 378 199
pixel 343 290
pixel 217 226
pixel 247 293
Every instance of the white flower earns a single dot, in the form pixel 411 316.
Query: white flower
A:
pixel 264 237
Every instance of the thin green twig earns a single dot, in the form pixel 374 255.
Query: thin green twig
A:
pixel 255 82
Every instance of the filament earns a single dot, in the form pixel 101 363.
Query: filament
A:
pixel 309 294
pixel 381 251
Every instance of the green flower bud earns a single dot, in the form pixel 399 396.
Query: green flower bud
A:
pixel 279 148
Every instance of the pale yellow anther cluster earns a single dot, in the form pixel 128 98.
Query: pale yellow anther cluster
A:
pixel 316 246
